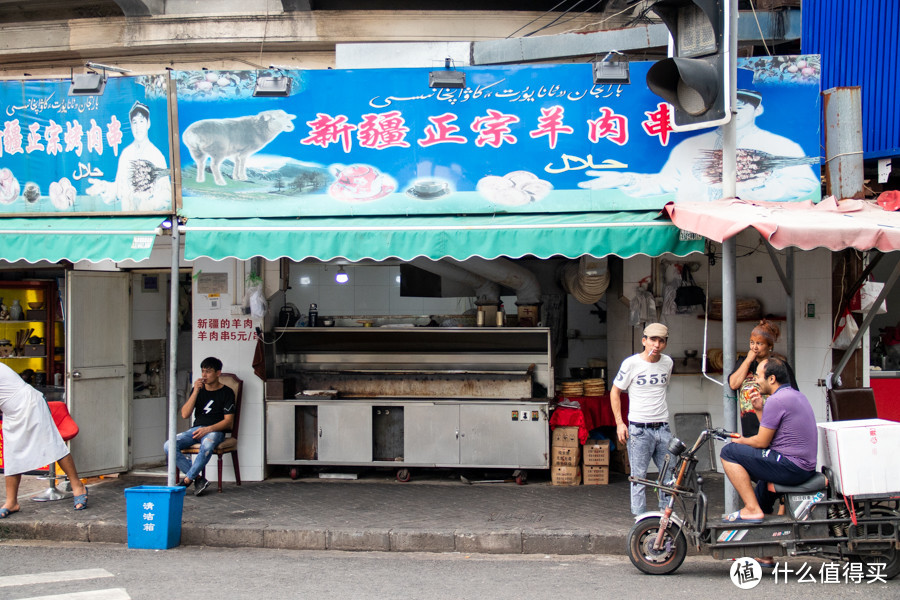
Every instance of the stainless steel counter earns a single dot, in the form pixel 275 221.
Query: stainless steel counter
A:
pixel 413 397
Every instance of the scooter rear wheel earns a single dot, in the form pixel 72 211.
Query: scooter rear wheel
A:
pixel 664 561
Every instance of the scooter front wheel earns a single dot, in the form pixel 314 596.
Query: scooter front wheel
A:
pixel 645 557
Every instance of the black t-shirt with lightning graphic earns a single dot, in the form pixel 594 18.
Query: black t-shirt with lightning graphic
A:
pixel 211 407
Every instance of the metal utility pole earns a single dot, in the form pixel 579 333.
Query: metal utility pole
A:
pixel 729 300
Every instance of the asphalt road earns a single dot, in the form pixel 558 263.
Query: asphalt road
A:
pixel 95 571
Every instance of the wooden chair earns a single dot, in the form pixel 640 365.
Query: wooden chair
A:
pixel 230 444
pixel 851 404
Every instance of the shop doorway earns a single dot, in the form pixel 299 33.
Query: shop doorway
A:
pixel 98 368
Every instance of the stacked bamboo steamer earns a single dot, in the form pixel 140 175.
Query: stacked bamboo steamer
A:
pixel 573 387
pixel 594 387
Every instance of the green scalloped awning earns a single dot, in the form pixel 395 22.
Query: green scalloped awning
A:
pixel 77 238
pixel 488 236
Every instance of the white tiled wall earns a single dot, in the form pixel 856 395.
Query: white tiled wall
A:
pixel 148 415
pixel 149 430
pixel 373 290
pixel 586 334
pixel 237 358
pixel 150 309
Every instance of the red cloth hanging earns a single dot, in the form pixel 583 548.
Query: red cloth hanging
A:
pixel 596 411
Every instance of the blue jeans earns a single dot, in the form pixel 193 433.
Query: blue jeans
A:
pixel 644 444
pixel 184 440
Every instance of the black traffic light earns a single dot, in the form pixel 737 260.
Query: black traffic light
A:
pixel 694 80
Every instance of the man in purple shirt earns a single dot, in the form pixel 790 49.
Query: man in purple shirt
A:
pixel 784 451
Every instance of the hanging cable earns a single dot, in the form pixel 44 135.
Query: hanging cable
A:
pixel 551 23
pixel 535 19
pixel 572 18
pixel 762 38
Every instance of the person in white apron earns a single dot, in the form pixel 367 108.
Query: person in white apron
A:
pixel 30 440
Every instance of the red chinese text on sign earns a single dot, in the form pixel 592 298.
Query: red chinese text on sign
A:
pixel 608 125
pixel 325 130
pixel 493 129
pixel 380 131
pixel 550 125
pixel 441 131
pixel 659 122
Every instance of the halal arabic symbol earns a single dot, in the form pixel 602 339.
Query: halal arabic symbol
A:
pixel 576 163
pixel 85 170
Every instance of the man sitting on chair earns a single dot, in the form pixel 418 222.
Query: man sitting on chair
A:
pixel 212 403
pixel 784 451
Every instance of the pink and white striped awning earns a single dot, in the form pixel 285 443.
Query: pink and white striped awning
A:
pixel 859 224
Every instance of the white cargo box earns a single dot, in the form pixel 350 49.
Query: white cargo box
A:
pixel 863 455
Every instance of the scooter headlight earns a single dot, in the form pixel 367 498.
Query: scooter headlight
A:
pixel 676 446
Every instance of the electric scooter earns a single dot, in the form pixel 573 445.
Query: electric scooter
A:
pixel 818 521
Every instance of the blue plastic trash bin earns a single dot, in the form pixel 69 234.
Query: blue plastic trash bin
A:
pixel 154 516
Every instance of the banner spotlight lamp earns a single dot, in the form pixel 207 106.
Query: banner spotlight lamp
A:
pixel 613 68
pixel 341 276
pixel 93 83
pixel 273 86
pixel 447 78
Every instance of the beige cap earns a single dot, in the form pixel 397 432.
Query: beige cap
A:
pixel 656 330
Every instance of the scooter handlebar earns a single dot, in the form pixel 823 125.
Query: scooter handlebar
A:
pixel 723 434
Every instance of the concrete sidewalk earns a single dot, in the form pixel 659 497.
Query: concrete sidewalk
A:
pixel 435 512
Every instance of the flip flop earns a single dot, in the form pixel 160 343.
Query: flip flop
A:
pixel 736 517
pixel 81 500
pixel 5 512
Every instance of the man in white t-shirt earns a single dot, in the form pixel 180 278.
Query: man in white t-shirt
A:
pixel 645 377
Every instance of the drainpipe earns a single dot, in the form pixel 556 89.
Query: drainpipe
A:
pixel 486 292
pixel 506 273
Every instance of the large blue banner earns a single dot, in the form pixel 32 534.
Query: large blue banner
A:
pixel 514 139
pixel 84 154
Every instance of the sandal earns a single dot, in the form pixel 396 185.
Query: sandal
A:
pixel 5 512
pixel 80 501
pixel 736 517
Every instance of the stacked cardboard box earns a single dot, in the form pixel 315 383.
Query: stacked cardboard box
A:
pixel 619 461
pixel 565 456
pixel 565 452
pixel 596 462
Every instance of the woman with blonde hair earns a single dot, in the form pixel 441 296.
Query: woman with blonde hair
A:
pixel 743 379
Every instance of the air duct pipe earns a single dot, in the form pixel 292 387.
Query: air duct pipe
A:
pixel 506 273
pixel 486 291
